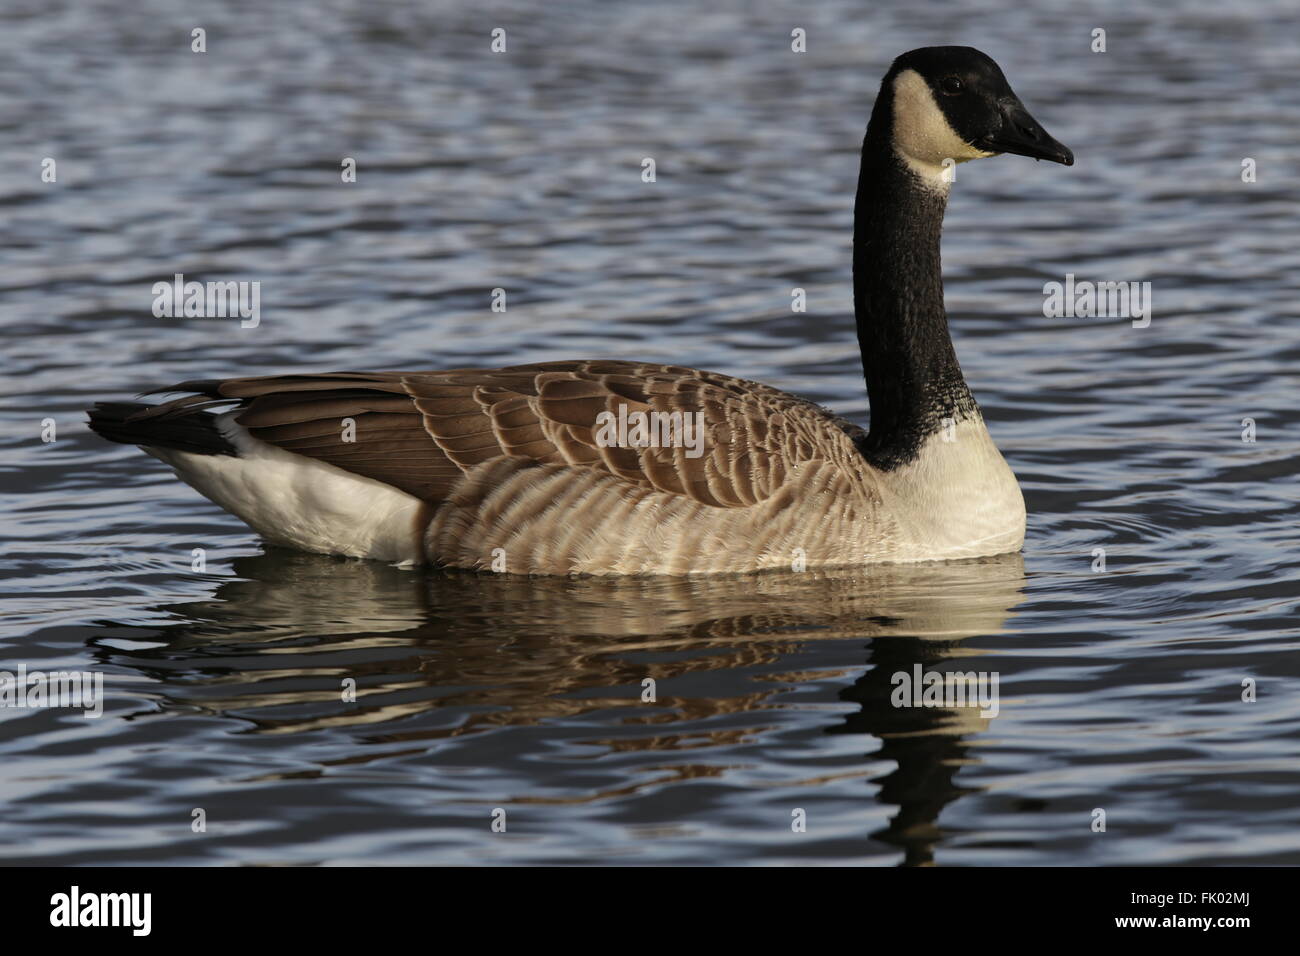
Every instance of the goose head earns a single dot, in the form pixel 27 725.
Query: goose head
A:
pixel 953 103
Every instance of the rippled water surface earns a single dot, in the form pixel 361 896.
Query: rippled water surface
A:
pixel 1120 689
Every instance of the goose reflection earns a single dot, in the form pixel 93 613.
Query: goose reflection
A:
pixel 437 655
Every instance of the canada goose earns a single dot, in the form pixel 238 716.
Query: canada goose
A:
pixel 515 469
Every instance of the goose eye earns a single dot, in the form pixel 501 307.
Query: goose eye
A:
pixel 952 85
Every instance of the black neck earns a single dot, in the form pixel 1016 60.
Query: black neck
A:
pixel 913 379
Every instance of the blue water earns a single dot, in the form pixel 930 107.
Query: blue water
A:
pixel 1120 689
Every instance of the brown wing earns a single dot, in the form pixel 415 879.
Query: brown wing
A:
pixel 420 431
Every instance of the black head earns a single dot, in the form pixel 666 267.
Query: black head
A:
pixel 953 102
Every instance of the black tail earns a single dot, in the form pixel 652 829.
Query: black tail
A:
pixel 139 423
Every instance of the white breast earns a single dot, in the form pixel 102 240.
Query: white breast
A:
pixel 958 499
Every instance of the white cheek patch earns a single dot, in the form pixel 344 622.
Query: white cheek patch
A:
pixel 923 138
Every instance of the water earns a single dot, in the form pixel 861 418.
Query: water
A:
pixel 1120 689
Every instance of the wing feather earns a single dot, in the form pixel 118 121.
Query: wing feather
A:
pixel 422 431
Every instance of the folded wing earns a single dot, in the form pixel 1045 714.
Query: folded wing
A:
pixel 422 431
